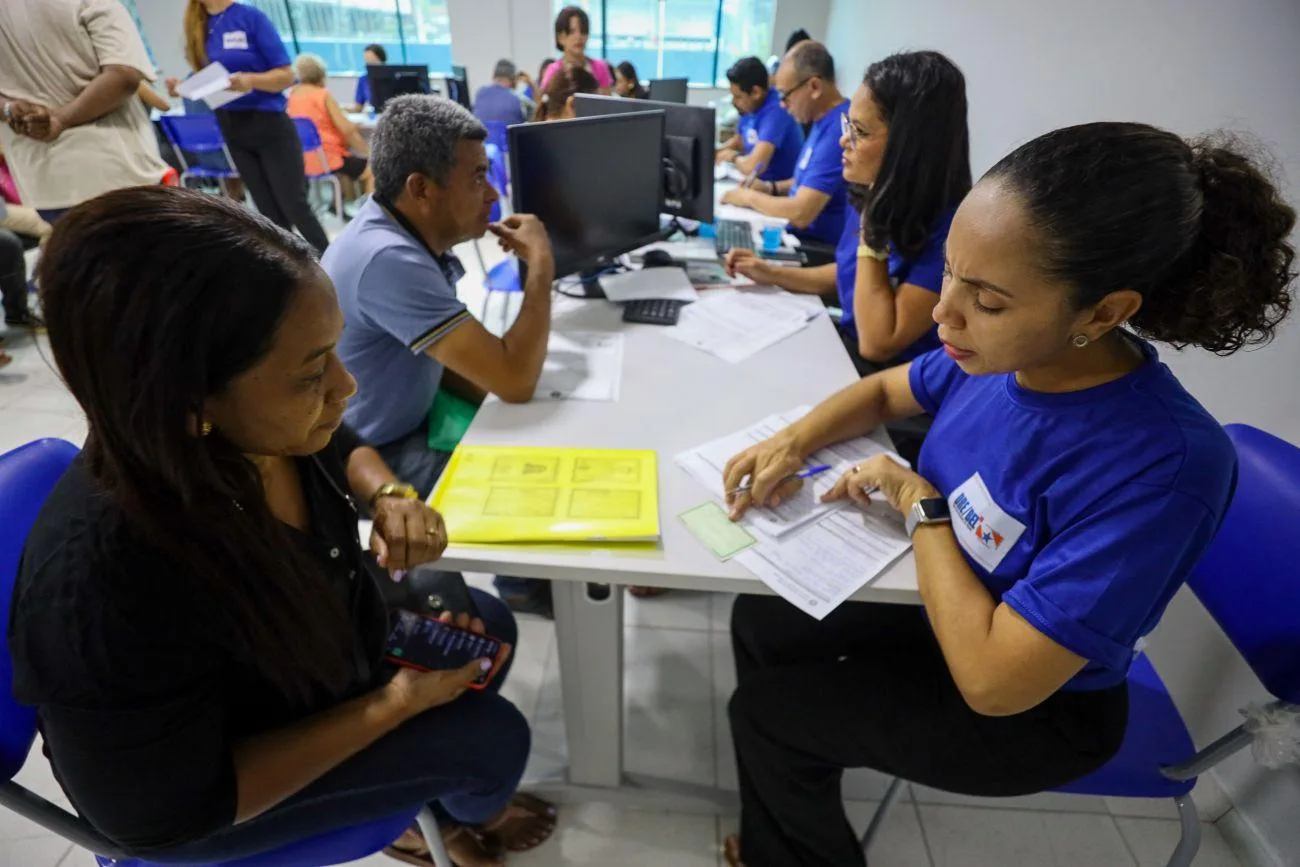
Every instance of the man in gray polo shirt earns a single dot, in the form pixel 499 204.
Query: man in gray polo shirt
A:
pixel 406 334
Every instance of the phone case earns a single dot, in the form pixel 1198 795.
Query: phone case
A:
pixel 482 682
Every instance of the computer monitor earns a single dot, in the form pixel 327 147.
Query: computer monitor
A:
pixel 668 90
pixel 390 80
pixel 689 134
pixel 458 87
pixel 594 183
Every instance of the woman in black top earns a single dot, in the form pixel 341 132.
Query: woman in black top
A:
pixel 194 612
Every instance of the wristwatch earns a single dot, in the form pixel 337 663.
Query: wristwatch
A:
pixel 933 510
pixel 394 489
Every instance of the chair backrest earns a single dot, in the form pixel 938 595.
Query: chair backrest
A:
pixel 27 475
pixel 498 135
pixel 499 178
pixel 1249 580
pixel 198 133
pixel 308 133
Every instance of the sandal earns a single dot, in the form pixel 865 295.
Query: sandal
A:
pixel 731 851
pixel 526 824
pixel 466 847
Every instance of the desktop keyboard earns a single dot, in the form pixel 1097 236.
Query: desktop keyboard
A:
pixel 653 311
pixel 733 234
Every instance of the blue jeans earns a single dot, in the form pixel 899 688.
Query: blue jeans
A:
pixel 411 459
pixel 464 759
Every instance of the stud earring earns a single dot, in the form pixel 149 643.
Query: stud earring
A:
pixel 1080 341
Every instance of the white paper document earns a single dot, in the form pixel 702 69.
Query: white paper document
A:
pixel 819 568
pixel 581 365
pixel 707 462
pixel 736 325
pixel 647 283
pixel 211 84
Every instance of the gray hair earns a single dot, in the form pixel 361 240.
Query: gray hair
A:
pixel 418 134
pixel 811 58
pixel 505 69
pixel 310 68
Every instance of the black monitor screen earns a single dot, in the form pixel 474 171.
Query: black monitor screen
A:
pixel 689 136
pixel 388 81
pixel 458 87
pixel 668 90
pixel 594 182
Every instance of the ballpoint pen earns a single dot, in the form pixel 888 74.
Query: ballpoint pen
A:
pixel 802 474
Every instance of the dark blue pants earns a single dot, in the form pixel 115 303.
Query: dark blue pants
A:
pixel 464 759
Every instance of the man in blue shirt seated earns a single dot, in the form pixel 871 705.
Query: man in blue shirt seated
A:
pixel 374 55
pixel 814 199
pixel 767 139
pixel 498 102
pixel 406 334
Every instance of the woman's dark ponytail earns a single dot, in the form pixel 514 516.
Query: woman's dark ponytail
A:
pixel 1198 229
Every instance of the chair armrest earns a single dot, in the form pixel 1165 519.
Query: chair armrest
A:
pixel 53 818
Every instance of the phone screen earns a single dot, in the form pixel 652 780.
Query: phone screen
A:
pixel 431 645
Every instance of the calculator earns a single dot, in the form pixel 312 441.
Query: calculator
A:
pixel 653 311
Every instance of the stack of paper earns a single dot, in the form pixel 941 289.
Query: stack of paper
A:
pixel 211 84
pixel 504 495
pixel 815 555
pixel 581 365
pixel 649 283
pixel 736 325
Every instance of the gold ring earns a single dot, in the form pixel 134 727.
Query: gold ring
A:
pixel 431 532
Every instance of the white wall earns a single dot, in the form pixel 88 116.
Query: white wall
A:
pixel 1190 66
pixel 161 21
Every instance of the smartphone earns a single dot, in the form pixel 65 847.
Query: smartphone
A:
pixel 428 644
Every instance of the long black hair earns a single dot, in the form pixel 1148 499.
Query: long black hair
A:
pixel 156 298
pixel 925 170
pixel 1198 228
pixel 628 71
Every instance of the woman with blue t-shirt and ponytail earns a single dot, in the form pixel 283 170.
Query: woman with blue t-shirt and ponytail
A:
pixel 1067 488
pixel 261 138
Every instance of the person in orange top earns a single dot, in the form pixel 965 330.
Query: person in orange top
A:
pixel 345 150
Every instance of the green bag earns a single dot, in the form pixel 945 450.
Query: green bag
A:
pixel 449 418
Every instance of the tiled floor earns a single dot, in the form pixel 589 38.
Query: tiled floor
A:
pixel 678 677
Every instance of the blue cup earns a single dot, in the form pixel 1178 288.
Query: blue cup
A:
pixel 772 238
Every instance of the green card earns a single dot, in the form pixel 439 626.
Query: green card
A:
pixel 709 523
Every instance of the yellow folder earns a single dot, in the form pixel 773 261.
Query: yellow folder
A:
pixel 495 494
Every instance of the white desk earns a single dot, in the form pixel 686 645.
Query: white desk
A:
pixel 673 398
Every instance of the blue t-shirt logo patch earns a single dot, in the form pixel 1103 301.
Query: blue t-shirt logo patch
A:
pixel 235 40
pixel 751 137
pixel 806 158
pixel 983 529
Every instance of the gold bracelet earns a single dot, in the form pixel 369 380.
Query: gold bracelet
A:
pixel 865 252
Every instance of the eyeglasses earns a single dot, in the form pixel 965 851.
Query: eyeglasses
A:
pixel 786 94
pixel 850 129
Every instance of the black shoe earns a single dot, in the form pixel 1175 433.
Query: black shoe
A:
pixel 27 319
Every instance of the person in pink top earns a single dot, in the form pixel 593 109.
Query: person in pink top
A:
pixel 345 149
pixel 572 29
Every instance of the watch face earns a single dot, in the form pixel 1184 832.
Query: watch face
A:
pixel 934 509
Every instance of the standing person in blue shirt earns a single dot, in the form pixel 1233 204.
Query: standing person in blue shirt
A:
pixel 906 156
pixel 767 139
pixel 261 138
pixel 814 199
pixel 1067 489
pixel 498 102
pixel 374 55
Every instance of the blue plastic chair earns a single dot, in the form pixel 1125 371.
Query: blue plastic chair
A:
pixel 499 136
pixel 1247 582
pixel 198 135
pixel 27 475
pixel 312 144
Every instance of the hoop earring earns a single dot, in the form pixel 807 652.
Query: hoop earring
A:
pixel 1080 341
pixel 206 429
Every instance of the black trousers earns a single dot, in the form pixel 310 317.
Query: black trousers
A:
pixel 13 275
pixel 868 687
pixel 268 155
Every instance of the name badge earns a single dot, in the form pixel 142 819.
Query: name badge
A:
pixel 983 529
pixel 806 158
pixel 235 40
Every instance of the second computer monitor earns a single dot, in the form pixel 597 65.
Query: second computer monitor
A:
pixel 458 87
pixel 594 183
pixel 390 80
pixel 689 134
pixel 668 90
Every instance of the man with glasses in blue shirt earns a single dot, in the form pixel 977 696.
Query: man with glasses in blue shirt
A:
pixel 814 199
